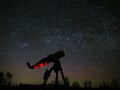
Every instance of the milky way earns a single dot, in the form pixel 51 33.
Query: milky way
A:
pixel 87 30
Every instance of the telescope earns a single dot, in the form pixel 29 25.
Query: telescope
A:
pixel 50 58
pixel 56 67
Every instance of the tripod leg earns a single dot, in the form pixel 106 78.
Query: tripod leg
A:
pixel 44 83
pixel 46 76
pixel 62 76
pixel 56 79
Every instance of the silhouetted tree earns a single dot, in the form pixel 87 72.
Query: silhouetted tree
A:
pixel 105 85
pixel 87 84
pixel 67 83
pixel 1 79
pixel 8 78
pixel 5 79
pixel 114 83
pixel 75 84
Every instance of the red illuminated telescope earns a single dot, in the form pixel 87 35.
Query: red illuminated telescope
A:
pixel 50 58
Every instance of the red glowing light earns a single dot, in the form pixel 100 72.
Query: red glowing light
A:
pixel 46 64
pixel 36 67
pixel 41 65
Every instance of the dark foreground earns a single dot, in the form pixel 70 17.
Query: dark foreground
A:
pixel 35 88
pixel 40 87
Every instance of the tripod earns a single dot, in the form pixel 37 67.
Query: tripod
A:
pixel 56 68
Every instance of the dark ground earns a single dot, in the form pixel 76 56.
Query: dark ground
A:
pixel 40 87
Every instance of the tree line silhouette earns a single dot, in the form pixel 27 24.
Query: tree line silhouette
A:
pixel 6 80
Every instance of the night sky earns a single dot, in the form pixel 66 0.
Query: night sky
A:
pixel 87 30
